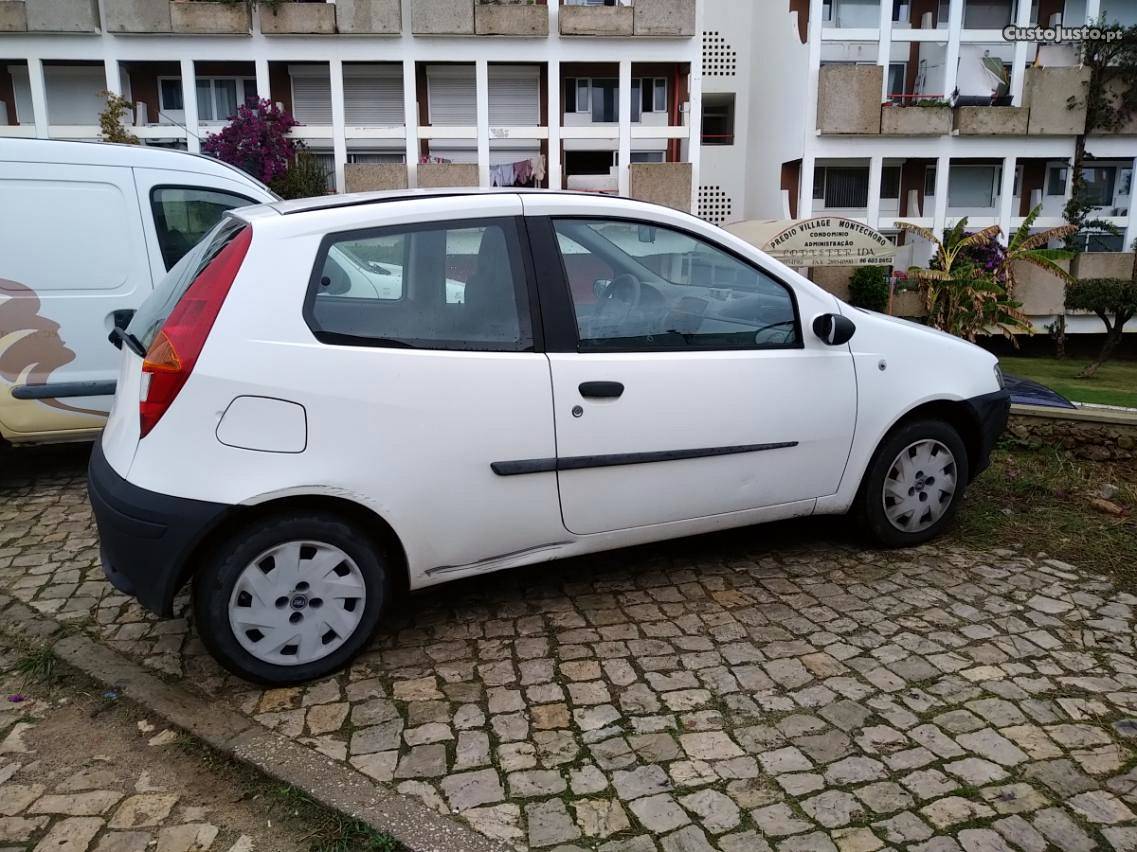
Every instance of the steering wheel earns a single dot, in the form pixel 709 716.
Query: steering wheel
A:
pixel 618 300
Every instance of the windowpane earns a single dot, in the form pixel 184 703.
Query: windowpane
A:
pixel 636 286
pixel 847 187
pixel 604 103
pixel 225 93
pixel 438 287
pixel 639 87
pixel 1099 185
pixel 583 96
pixel 183 215
pixel 661 95
pixel 171 94
pixel 971 186
pixel 890 182
pixel 204 100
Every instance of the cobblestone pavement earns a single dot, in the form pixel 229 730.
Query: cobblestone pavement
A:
pixel 722 693
pixel 80 770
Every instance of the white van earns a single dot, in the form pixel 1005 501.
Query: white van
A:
pixel 86 231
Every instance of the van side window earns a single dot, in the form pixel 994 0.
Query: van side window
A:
pixel 184 214
pixel 440 285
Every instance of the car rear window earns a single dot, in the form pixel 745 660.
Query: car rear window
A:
pixel 153 313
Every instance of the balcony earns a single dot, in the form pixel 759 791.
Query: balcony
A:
pixel 896 120
pixel 447 174
pixel 371 177
pixel 369 17
pixel 49 16
pixel 298 19
pixel 1057 100
pixel 663 18
pixel 668 184
pixel 848 99
pixel 991 120
pixel 209 18
pixel 614 21
pixel 442 17
pixel 511 18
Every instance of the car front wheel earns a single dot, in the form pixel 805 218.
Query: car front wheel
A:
pixel 291 599
pixel 914 484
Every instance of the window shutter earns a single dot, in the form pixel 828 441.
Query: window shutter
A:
pixel 312 99
pixel 453 96
pixel 373 100
pixel 515 96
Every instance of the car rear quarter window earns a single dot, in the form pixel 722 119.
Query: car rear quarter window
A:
pixel 442 285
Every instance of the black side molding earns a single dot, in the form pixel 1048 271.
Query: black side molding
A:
pixel 523 466
pixel 59 390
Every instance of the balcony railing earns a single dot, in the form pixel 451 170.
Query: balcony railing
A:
pixel 49 16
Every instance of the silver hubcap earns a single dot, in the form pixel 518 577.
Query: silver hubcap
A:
pixel 297 602
pixel 919 486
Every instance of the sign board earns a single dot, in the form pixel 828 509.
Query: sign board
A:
pixel 820 241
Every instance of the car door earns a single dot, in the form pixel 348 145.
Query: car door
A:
pixel 688 389
pixel 72 251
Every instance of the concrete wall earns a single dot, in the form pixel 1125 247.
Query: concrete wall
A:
pixel 13 16
pixel 442 17
pixel 366 177
pixel 512 19
pixel 1048 93
pixel 848 99
pixel 302 18
pixel 1103 264
pixel 596 20
pixel 991 121
pixel 369 16
pixel 138 16
pixel 661 183
pixel 915 121
pixel 63 16
pixel 193 17
pixel 663 17
pixel 1041 293
pixel 447 174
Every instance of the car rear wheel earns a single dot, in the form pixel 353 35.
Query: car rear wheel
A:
pixel 914 484
pixel 291 599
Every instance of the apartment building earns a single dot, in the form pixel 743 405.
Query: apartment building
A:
pixel 388 93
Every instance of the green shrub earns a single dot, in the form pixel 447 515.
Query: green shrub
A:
pixel 1114 300
pixel 868 288
pixel 304 178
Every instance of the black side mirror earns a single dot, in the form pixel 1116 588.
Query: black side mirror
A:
pixel 120 319
pixel 834 329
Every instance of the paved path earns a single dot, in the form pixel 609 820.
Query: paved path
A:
pixel 742 692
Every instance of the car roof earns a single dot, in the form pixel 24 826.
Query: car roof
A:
pixel 352 199
pixel 114 154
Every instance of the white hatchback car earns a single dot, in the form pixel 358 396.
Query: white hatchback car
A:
pixel 331 398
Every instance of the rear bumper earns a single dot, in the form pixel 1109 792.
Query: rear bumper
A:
pixel 145 537
pixel 991 411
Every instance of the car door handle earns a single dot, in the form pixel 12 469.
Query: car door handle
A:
pixel 601 390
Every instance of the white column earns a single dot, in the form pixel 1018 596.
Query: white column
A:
pixel 482 84
pixel 1131 230
pixel 339 133
pixel 816 10
pixel 1007 197
pixel 876 166
pixel 113 76
pixel 189 102
pixel 264 87
pixel 624 149
pixel 1093 12
pixel 939 214
pixel 951 62
pixel 695 127
pixel 805 187
pixel 410 119
pixel 39 97
pixel 553 101
pixel 884 53
pixel 1018 64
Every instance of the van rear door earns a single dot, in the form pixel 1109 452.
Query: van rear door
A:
pixel 72 252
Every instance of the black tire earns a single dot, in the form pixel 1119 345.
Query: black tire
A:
pixel 870 509
pixel 213 586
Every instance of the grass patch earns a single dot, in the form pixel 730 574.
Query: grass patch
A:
pixel 329 830
pixel 38 665
pixel 1114 384
pixel 1040 499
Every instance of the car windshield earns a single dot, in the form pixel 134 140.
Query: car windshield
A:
pixel 152 314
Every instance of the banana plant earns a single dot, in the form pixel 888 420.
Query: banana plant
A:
pixel 961 297
pixel 1025 247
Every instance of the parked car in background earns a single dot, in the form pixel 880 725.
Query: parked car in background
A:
pixel 614 373
pixel 86 229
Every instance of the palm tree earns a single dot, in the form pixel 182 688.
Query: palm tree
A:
pixel 1026 247
pixel 960 296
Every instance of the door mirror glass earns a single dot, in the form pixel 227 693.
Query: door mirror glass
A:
pixel 599 286
pixel 834 329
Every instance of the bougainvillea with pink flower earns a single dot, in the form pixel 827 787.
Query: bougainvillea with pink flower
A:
pixel 256 140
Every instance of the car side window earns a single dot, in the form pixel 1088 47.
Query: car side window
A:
pixel 442 285
pixel 185 214
pixel 640 287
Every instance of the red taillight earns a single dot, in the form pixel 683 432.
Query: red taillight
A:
pixel 175 348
